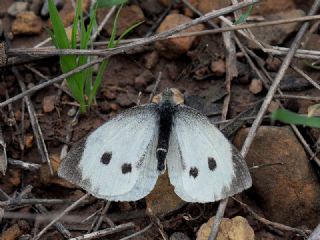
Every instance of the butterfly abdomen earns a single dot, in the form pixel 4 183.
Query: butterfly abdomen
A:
pixel 166 110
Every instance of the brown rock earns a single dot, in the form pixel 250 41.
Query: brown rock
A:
pixel 125 100
pixel 273 63
pixel 114 107
pixel 276 34
pixel 272 6
pixel 129 16
pixel 187 11
pixel 47 179
pixel 273 106
pixel 288 193
pixel 12 233
pixel 256 86
pixel 151 59
pixel 163 199
pixel 109 94
pixel 48 103
pixel 236 228
pixel 28 140
pixel 15 178
pixel 67 12
pixel 218 67
pixel 206 6
pixel 172 48
pixel 165 3
pixel 27 23
pixel 141 82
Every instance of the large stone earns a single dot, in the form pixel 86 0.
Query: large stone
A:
pixel 288 190
pixel 276 34
pixel 27 23
pixel 236 228
pixel 162 198
pixel 128 16
pixel 174 47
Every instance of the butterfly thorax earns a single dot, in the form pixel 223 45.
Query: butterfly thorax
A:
pixel 166 110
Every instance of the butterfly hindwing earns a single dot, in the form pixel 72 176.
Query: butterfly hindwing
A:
pixel 117 161
pixel 203 166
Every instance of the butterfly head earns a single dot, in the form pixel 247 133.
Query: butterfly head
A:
pixel 169 95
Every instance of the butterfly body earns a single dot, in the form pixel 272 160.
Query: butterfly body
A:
pixel 122 159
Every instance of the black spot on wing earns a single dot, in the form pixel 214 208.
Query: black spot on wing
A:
pixel 194 172
pixel 106 157
pixel 212 164
pixel 126 168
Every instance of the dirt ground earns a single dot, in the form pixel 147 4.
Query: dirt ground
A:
pixel 284 202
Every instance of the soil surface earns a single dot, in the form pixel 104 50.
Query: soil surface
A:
pixel 216 81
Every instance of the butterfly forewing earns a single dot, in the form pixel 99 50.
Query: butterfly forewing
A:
pixel 203 166
pixel 117 161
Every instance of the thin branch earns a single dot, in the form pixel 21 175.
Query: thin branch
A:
pixel 131 46
pixel 3 154
pixel 155 87
pixel 102 24
pixel 101 217
pixel 278 78
pixel 288 96
pixel 105 232
pixel 273 224
pixel 42 148
pixel 68 209
pixel 139 41
pixel 19 201
pixel 24 165
pixel 219 215
pixel 50 82
pixel 138 233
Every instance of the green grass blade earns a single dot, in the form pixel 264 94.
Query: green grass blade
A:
pixel 127 31
pixel 244 16
pixel 112 43
pixel 58 27
pixel 286 116
pixel 98 81
pixel 75 25
pixel 109 3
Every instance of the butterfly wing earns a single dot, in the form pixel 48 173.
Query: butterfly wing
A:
pixel 117 161
pixel 203 166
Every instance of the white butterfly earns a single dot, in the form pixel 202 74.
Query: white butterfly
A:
pixel 121 160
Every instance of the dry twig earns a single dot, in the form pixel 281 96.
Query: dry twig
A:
pixel 279 226
pixel 34 123
pixel 105 232
pixel 64 212
pixel 278 78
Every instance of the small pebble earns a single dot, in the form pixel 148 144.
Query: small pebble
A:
pixel 151 59
pixel 218 67
pixel 28 141
pixel 143 80
pixel 45 10
pixel 72 112
pixel 17 7
pixel 256 86
pixel 48 103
